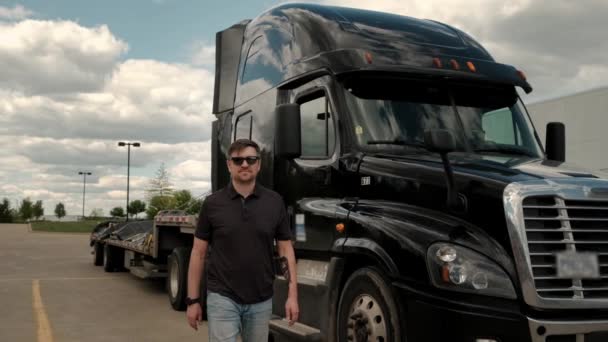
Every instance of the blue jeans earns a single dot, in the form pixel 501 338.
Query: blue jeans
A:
pixel 227 319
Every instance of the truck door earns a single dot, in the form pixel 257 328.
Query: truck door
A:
pixel 309 178
pixel 308 186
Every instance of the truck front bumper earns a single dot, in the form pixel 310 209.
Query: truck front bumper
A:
pixel 433 319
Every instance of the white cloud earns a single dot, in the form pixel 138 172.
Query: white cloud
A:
pixel 117 194
pixel 55 57
pixel 65 102
pixel 18 12
pixel 143 100
pixel 10 189
pixel 41 194
pixel 203 54
pixel 192 170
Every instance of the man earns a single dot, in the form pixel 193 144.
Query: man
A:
pixel 240 222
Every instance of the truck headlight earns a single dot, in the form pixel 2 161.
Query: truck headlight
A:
pixel 457 268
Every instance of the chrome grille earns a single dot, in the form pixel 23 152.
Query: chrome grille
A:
pixel 553 225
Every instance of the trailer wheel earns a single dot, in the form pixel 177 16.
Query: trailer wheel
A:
pixel 98 259
pixel 177 279
pixel 368 310
pixel 113 258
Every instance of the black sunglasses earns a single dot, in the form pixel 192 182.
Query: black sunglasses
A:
pixel 250 160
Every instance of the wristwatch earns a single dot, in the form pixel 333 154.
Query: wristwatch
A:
pixel 189 301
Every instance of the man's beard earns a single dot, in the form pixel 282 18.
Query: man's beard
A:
pixel 238 179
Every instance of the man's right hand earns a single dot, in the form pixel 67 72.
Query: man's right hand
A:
pixel 194 313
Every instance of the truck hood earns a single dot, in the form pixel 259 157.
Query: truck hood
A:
pixel 419 180
pixel 502 169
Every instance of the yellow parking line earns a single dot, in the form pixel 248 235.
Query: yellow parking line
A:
pixel 45 334
pixel 58 278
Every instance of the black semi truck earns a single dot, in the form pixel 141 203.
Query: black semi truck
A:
pixel 423 204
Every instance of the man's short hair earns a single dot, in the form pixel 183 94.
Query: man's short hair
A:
pixel 240 144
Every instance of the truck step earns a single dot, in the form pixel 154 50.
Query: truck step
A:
pixel 148 265
pixel 144 273
pixel 296 332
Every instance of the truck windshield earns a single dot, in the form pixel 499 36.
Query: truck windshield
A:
pixel 391 116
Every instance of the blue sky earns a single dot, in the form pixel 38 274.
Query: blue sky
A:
pixel 78 76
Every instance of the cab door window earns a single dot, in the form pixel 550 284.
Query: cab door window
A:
pixel 317 128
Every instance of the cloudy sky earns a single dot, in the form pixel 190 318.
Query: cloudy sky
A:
pixel 79 76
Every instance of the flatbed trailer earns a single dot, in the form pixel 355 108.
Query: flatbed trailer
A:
pixel 161 252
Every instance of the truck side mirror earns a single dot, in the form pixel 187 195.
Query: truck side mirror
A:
pixel 288 142
pixel 439 140
pixel 555 143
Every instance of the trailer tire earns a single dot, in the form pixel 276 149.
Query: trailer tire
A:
pixel 368 309
pixel 98 253
pixel 113 258
pixel 177 278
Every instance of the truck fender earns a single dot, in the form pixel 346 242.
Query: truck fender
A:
pixel 371 249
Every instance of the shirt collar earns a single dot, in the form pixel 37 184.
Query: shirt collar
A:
pixel 232 193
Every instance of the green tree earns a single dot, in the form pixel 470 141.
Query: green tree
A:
pixel 38 210
pixel 160 184
pixel 117 212
pixel 195 206
pixel 6 215
pixel 182 199
pixel 26 210
pixel 59 210
pixel 158 203
pixel 185 201
pixel 136 207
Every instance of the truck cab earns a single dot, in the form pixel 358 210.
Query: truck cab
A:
pixel 423 205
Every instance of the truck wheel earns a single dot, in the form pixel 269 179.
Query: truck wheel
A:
pixel 177 279
pixel 367 309
pixel 113 258
pixel 98 259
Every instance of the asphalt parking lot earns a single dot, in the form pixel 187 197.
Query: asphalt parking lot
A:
pixel 50 291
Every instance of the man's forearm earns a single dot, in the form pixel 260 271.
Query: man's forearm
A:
pixel 195 272
pixel 286 251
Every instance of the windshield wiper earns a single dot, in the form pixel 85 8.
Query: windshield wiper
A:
pixel 506 150
pixel 400 142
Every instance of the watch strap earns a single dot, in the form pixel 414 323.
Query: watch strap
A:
pixel 189 301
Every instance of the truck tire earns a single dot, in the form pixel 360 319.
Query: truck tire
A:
pixel 177 279
pixel 368 310
pixel 98 253
pixel 113 258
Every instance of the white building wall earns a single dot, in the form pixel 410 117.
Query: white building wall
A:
pixel 586 118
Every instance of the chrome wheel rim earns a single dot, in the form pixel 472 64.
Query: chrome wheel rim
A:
pixel 366 320
pixel 174 278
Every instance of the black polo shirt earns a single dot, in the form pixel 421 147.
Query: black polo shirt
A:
pixel 241 232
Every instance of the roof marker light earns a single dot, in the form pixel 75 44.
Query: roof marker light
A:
pixel 437 63
pixel 454 64
pixel 471 66
pixel 368 57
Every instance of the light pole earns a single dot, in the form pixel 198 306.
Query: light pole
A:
pixel 135 144
pixel 84 187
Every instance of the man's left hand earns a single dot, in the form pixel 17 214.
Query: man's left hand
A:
pixel 292 310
